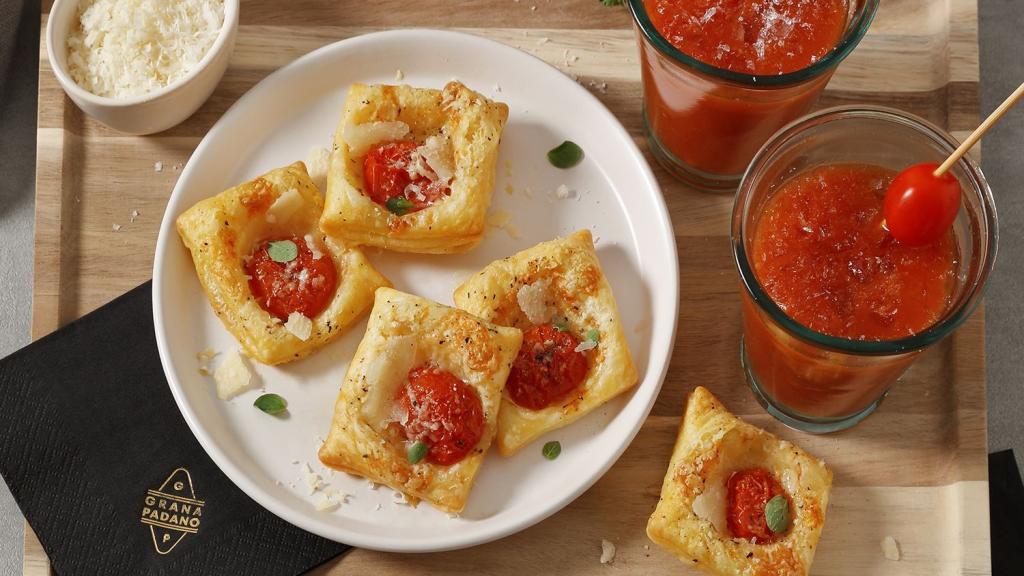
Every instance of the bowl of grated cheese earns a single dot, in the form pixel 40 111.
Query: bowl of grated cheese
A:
pixel 140 66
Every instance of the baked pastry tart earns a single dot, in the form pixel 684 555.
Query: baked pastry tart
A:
pixel 412 169
pixel 737 500
pixel 280 287
pixel 418 408
pixel 574 356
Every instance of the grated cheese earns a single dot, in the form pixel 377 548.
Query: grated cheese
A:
pixel 127 48
pixel 285 206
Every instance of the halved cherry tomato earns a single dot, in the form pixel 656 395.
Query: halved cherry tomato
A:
pixel 443 412
pixel 304 285
pixel 386 178
pixel 547 369
pixel 748 492
pixel 920 207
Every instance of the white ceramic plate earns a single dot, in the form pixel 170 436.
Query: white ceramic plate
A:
pixel 614 194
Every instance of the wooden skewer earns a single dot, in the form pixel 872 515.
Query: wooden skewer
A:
pixel 979 131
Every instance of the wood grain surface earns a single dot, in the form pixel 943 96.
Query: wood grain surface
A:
pixel 916 470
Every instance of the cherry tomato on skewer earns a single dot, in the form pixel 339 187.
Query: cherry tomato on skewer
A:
pixel 919 206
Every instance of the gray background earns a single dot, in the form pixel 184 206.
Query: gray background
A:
pixel 1002 69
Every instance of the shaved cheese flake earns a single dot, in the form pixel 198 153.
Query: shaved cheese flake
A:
pixel 285 206
pixel 585 345
pixel 318 161
pixel 710 505
pixel 607 552
pixel 385 374
pixel 437 153
pixel 127 48
pixel 891 549
pixel 361 137
pixel 314 248
pixel 300 326
pixel 326 505
pixel 533 301
pixel 232 376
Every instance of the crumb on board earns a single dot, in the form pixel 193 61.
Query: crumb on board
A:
pixel 399 75
pixel 115 227
pixel 891 548
pixel 158 166
pixel 607 552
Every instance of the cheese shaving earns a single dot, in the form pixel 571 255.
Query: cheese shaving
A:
pixel 313 247
pixel 127 48
pixel 710 505
pixel 361 137
pixel 285 206
pixel 385 374
pixel 607 552
pixel 300 326
pixel 318 162
pixel 232 376
pixel 533 301
pixel 436 152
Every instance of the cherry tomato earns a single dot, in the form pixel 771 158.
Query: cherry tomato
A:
pixel 304 285
pixel 748 492
pixel 443 412
pixel 386 177
pixel 547 369
pixel 919 207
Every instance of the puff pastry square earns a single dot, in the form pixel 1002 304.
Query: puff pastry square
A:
pixel 578 292
pixel 221 233
pixel 472 124
pixel 690 517
pixel 477 352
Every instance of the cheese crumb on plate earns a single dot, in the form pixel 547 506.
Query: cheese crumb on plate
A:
pixel 232 376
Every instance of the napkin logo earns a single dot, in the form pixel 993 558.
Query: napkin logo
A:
pixel 172 511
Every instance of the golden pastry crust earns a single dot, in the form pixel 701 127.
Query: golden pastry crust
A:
pixel 473 125
pixel 579 292
pixel 477 352
pixel 712 444
pixel 221 233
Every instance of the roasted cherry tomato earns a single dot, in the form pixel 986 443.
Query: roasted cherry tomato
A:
pixel 547 369
pixel 388 181
pixel 748 492
pixel 305 284
pixel 443 412
pixel 920 207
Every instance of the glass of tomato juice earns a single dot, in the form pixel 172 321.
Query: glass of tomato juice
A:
pixel 875 304
pixel 705 122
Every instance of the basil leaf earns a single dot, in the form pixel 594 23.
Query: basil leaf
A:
pixel 552 449
pixel 417 451
pixel 776 513
pixel 282 251
pixel 398 205
pixel 593 335
pixel 612 2
pixel 565 155
pixel 271 404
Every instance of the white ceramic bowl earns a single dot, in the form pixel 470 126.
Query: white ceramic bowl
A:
pixel 157 110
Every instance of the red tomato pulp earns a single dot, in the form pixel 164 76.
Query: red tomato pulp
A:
pixel 443 412
pixel 305 285
pixel 547 370
pixel 748 492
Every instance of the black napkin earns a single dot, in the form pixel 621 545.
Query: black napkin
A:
pixel 109 475
pixel 1006 510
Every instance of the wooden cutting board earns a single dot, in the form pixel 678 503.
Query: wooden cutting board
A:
pixel 916 470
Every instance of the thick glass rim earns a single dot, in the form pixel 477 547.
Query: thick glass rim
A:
pixel 974 291
pixel 859 27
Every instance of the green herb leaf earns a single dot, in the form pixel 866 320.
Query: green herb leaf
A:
pixel 399 205
pixel 565 155
pixel 417 451
pixel 271 404
pixel 282 251
pixel 552 449
pixel 776 513
pixel 562 325
pixel 612 2
pixel 593 335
